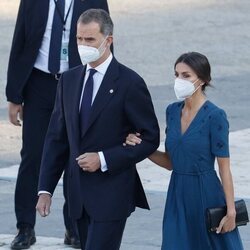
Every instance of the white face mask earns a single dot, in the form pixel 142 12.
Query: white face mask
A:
pixel 184 88
pixel 90 54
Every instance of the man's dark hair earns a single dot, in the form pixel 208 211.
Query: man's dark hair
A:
pixel 99 16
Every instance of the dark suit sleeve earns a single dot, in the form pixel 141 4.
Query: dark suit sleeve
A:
pixel 140 113
pixel 56 147
pixel 18 43
pixel 104 5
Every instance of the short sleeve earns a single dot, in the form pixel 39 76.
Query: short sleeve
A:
pixel 219 131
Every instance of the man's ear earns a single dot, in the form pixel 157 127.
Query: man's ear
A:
pixel 110 40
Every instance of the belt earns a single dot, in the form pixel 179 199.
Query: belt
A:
pixel 194 173
pixel 56 76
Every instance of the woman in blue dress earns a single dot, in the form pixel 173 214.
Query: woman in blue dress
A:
pixel 196 134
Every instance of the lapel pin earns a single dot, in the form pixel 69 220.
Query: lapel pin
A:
pixel 111 91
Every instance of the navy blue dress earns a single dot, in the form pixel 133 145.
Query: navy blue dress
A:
pixel 194 184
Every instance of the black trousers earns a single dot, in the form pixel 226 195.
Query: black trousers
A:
pixel 95 235
pixel 39 97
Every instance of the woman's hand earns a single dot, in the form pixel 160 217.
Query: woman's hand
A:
pixel 133 139
pixel 160 158
pixel 227 224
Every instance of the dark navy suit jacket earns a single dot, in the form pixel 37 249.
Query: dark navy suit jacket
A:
pixel 30 27
pixel 122 105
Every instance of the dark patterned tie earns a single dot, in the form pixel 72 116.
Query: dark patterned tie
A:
pixel 86 101
pixel 56 38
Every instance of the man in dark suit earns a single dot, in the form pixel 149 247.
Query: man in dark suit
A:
pixel 44 46
pixel 96 106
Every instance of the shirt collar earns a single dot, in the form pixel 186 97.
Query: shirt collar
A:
pixel 102 68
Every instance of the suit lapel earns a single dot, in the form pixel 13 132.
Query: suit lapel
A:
pixel 78 8
pixel 76 102
pixel 106 91
pixel 43 12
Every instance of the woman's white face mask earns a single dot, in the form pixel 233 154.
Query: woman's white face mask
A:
pixel 90 54
pixel 184 89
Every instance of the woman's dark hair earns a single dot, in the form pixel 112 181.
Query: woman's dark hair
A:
pixel 199 64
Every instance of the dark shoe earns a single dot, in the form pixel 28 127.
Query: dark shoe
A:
pixel 72 240
pixel 24 239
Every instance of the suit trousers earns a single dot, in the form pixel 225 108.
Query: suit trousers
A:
pixel 39 97
pixel 100 235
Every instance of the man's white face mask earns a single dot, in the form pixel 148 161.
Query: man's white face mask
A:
pixel 90 54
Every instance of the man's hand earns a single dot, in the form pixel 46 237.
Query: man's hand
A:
pixel 15 110
pixel 43 204
pixel 89 162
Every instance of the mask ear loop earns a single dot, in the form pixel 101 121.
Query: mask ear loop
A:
pixel 198 86
pixel 102 45
pixel 195 81
pixel 103 41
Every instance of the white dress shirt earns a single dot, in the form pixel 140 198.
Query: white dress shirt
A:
pixel 43 55
pixel 97 78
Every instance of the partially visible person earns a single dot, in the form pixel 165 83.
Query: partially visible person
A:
pixel 196 134
pixel 44 45
pixel 96 106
